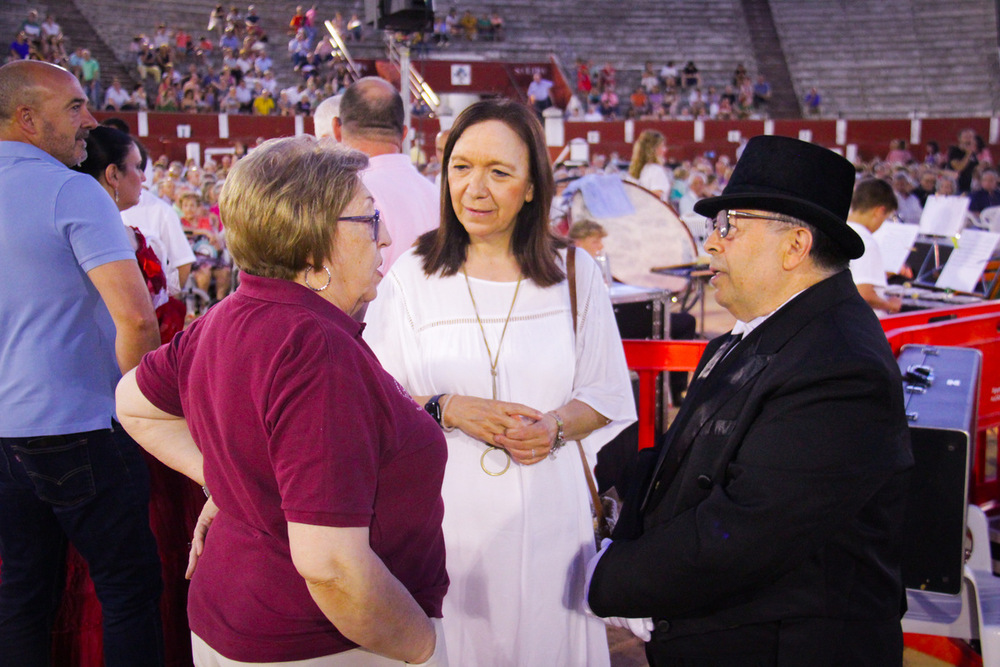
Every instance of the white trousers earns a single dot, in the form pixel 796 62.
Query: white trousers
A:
pixel 206 656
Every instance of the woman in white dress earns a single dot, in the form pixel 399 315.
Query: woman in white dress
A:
pixel 649 154
pixel 475 323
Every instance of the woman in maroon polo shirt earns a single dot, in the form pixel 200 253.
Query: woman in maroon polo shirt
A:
pixel 326 476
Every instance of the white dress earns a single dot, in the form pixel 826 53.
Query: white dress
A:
pixel 517 543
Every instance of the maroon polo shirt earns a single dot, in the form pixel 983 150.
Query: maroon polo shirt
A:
pixel 298 422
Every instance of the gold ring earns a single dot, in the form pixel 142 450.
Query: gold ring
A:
pixel 482 461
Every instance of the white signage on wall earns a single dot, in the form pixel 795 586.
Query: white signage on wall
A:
pixel 461 75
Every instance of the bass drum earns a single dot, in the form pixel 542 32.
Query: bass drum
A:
pixel 653 236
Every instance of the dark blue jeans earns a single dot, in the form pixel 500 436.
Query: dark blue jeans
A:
pixel 92 488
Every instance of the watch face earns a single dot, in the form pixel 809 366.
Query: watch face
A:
pixel 433 408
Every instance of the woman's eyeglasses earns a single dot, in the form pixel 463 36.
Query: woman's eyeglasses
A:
pixel 723 221
pixel 371 220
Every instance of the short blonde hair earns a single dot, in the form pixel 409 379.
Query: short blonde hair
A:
pixel 281 202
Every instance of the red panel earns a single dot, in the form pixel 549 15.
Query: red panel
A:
pixel 824 132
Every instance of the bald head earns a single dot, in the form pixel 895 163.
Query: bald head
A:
pixel 323 117
pixel 43 105
pixel 372 110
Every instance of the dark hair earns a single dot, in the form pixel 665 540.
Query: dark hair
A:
pixel 117 123
pixel 105 146
pixel 532 242
pixel 873 192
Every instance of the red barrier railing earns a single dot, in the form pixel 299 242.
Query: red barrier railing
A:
pixel 648 358
pixel 976 326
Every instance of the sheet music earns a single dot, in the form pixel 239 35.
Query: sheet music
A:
pixel 944 215
pixel 895 241
pixel 965 267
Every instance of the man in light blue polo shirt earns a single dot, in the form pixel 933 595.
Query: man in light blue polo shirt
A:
pixel 74 315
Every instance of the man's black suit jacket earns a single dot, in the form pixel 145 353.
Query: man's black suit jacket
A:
pixel 779 529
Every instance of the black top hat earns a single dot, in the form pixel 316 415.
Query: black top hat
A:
pixel 796 178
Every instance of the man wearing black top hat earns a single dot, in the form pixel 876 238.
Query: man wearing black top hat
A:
pixel 764 527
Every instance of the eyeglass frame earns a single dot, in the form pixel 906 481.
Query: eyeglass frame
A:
pixel 373 220
pixel 722 227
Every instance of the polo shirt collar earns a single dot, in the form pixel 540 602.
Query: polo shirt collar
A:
pixel 25 150
pixel 288 292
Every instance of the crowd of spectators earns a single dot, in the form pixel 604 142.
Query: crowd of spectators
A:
pixel 671 93
pixel 915 174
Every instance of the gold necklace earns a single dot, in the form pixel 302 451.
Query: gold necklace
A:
pixel 489 353
pixel 494 361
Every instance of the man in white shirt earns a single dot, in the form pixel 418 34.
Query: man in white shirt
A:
pixel 371 121
pixel 872 203
pixel 160 225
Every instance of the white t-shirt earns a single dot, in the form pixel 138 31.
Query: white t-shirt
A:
pixel 158 222
pixel 869 269
pixel 655 177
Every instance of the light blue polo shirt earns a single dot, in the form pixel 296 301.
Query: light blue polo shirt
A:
pixel 58 368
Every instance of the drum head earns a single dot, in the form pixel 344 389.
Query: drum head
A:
pixel 652 236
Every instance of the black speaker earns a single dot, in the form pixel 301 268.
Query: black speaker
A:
pixel 942 393
pixel 401 15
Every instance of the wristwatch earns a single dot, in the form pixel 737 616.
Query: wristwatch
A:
pixel 433 408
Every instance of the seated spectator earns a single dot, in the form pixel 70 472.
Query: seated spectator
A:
pixel 813 101
pixel 470 27
pixel 116 97
pixel 32 30
pixel 739 75
pixel 926 186
pixel 230 40
pixel 297 21
pixel 166 95
pixel 639 100
pixel 983 153
pixel 252 18
pixel 584 83
pixel 244 95
pixel 988 194
pixel 690 76
pixel 592 114
pixel 148 64
pixel 190 101
pixel 933 155
pixel 496 26
pixel 263 103
pixel 898 155
pixel 284 105
pixel 453 22
pixel 946 186
pixel 697 189
pixel 648 79
pixel 441 37
pixel 761 94
pixel 52 35
pixel 20 49
pixel 208 244
pixel 298 49
pixel 608 105
pixel 606 77
pixel 669 76
pixel 907 205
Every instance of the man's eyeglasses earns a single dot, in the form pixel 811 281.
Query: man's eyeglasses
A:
pixel 371 220
pixel 723 221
